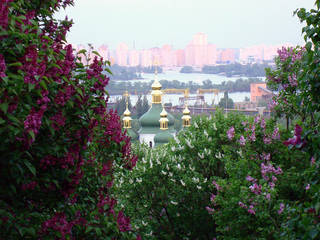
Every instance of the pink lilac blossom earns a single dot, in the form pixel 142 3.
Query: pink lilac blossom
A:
pixel 230 133
pixel 106 167
pixel 210 210
pixel 29 186
pixel 123 222
pixel 242 205
pixel 281 208
pixel 268 196
pixel 276 134
pixel 296 139
pixel 2 67
pixel 256 188
pixel 308 187
pixel 244 123
pixel 34 120
pixel 4 12
pixel 266 140
pixel 218 187
pixel 242 140
pixel 293 80
pixel 263 123
pixel 58 121
pixel 212 197
pixel 250 179
pixel 312 161
pixel 251 210
pixel 257 119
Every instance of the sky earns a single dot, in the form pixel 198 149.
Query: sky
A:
pixel 153 23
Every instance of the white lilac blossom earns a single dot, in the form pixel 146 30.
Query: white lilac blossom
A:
pixel 182 183
pixel 163 172
pixel 214 126
pixel 189 143
pixel 206 133
pixel 201 155
pixel 195 180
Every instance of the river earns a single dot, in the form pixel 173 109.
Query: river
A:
pixel 197 78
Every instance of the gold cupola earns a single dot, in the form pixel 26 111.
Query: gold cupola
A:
pixel 186 118
pixel 163 119
pixel 127 114
pixel 156 90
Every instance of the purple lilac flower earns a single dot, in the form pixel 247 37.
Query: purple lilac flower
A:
pixel 242 140
pixel 231 133
pixel 2 67
pixel 281 208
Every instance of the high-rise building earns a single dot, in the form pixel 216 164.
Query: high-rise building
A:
pixel 134 58
pixel 212 55
pixel 179 57
pixel 166 55
pixel 146 58
pixel 122 54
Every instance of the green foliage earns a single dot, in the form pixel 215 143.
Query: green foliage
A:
pixel 226 102
pixel 236 69
pixel 186 69
pixel 120 105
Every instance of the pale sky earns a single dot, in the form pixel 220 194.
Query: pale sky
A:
pixel 153 23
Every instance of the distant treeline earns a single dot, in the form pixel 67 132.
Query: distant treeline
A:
pixel 129 73
pixel 230 70
pixel 240 85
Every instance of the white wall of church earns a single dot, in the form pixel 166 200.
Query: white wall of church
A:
pixel 147 138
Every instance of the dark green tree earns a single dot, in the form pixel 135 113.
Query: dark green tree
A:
pixel 139 107
pixel 145 104
pixel 226 102
pixel 121 105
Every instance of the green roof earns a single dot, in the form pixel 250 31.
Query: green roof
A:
pixel 162 137
pixel 132 134
pixel 150 120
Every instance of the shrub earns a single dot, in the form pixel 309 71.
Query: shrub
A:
pixel 59 145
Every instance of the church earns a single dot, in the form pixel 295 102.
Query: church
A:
pixel 157 126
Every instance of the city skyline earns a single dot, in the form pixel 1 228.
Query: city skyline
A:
pixel 198 52
pixel 147 24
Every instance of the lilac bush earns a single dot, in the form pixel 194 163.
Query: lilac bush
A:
pixel 59 143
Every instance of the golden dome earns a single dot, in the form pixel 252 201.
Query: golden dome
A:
pixel 163 113
pixel 127 113
pixel 186 111
pixel 156 85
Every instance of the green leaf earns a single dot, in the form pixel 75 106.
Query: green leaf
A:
pixel 82 51
pixel 108 70
pixel 4 107
pixel 96 53
pixel 2 121
pixel 16 64
pixel 31 87
pixel 30 167
pixel 31 133
pixel 44 85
